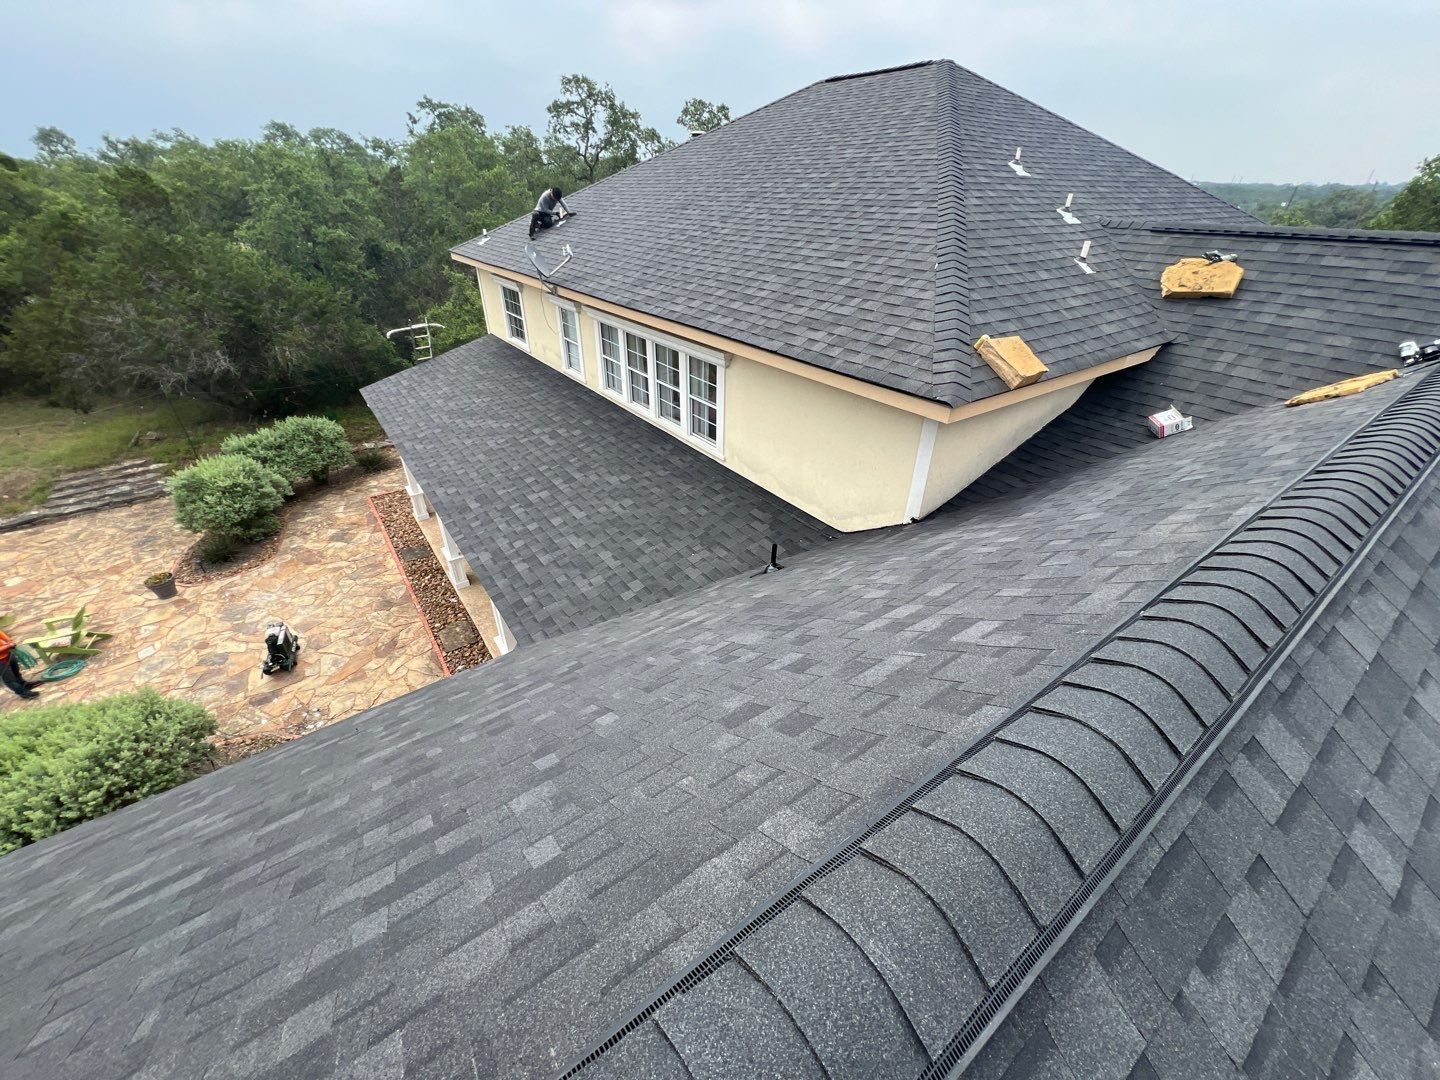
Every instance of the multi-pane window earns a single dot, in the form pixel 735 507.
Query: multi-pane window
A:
pixel 665 380
pixel 570 340
pixel 704 399
pixel 667 383
pixel 514 313
pixel 637 367
pixel 610 370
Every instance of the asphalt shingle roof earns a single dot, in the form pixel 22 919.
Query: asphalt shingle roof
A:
pixel 871 225
pixel 482 876
pixel 1315 307
pixel 876 966
pixel 570 510
pixel 1284 919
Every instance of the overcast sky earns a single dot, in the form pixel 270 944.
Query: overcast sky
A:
pixel 1277 90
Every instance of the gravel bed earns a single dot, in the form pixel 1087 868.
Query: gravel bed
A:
pixel 446 617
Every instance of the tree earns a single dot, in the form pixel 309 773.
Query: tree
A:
pixel 1282 214
pixel 52 145
pixel 594 132
pixel 262 273
pixel 697 114
pixel 1417 207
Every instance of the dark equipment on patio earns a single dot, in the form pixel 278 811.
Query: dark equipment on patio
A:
pixel 282 649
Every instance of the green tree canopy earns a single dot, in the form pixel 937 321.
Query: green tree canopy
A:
pixel 592 133
pixel 262 273
pixel 1417 207
pixel 698 114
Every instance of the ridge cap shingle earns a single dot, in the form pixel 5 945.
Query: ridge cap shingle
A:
pixel 953 328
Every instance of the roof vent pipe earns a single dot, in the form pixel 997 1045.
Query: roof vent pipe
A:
pixel 773 565
pixel 1084 255
pixel 1015 164
pixel 1064 211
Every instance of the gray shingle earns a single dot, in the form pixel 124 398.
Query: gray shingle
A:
pixel 570 510
pixel 914 236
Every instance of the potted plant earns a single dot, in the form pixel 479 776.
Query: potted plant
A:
pixel 161 584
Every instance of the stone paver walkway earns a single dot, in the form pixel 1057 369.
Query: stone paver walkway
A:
pixel 333 581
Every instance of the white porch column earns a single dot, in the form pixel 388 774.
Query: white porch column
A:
pixel 419 505
pixel 503 639
pixel 456 568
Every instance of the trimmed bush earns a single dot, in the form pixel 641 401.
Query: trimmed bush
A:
pixel 260 446
pixel 229 496
pixel 64 764
pixel 296 447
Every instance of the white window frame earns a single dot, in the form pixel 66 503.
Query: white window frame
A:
pixel 562 308
pixel 618 393
pixel 501 284
pixel 651 412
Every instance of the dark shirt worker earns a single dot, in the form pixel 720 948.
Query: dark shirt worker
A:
pixel 550 210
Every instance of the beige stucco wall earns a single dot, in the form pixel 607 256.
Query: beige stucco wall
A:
pixel 848 460
pixel 845 459
pixel 967 448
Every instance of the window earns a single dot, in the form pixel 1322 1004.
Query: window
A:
pixel 637 367
pixel 610 359
pixel 570 341
pixel 667 383
pixel 514 312
pixel 675 384
pixel 704 399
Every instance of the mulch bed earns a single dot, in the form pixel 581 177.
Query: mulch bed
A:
pixel 192 569
pixel 451 628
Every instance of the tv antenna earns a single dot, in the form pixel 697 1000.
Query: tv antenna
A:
pixel 421 346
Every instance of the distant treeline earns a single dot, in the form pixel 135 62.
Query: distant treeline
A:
pixel 261 273
pixel 1331 206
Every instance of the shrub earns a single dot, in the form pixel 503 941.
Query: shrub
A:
pixel 229 495
pixel 64 764
pixel 260 446
pixel 215 548
pixel 371 459
pixel 322 444
pixel 296 447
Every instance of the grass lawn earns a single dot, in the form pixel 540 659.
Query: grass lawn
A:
pixel 38 442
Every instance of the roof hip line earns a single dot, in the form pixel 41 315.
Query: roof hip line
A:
pixel 952 288
pixel 1420 403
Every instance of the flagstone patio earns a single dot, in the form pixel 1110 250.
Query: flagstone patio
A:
pixel 333 580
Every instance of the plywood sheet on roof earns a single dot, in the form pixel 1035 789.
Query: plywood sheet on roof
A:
pixel 1011 359
pixel 1199 278
pixel 1344 388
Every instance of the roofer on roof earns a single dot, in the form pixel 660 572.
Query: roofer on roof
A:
pixel 545 214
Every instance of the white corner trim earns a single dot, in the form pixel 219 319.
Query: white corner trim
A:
pixel 923 453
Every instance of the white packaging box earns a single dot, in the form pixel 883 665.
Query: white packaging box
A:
pixel 1169 422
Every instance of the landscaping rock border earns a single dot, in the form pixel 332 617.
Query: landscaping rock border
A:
pixel 445 617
